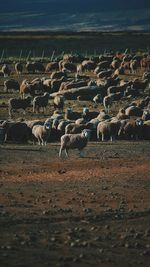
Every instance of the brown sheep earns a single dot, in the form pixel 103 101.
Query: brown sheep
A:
pixel 108 130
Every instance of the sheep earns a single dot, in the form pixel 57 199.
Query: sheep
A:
pixel 39 67
pixel 97 99
pixel 88 65
pixel 121 115
pixel 59 102
pixel 6 70
pixel 40 101
pixel 70 67
pixel 107 102
pixel 134 111
pixel 74 141
pixel 104 74
pixel 72 115
pixel 72 84
pixel 27 87
pixel 133 66
pixel 57 75
pixel 30 67
pixel 18 68
pixel 108 129
pixel 11 84
pixel 16 131
pixel 18 103
pixel 146 75
pixel 146 115
pixel 115 64
pixel 133 129
pixel 116 89
pixel 89 115
pixel 52 66
pixel 61 126
pixel 42 132
pixel 140 84
pixel 102 116
pixel 119 71
pixel 73 128
pixel 146 130
pixel 56 84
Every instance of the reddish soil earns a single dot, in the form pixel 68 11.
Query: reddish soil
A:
pixel 93 211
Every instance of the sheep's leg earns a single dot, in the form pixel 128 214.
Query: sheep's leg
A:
pixel 103 137
pixel 82 154
pixel 66 151
pixel 60 152
pixel 45 143
pixel 9 112
pixel 39 141
pixel 112 138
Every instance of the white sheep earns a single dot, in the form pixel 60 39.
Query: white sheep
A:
pixel 42 132
pixel 107 102
pixel 73 141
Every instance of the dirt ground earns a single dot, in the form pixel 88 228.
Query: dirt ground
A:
pixel 92 211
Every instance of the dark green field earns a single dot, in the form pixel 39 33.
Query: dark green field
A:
pixel 90 43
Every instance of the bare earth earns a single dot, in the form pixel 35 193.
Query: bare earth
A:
pixel 92 211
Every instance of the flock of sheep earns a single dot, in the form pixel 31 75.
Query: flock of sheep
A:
pixel 94 79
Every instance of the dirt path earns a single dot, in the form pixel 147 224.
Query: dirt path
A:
pixel 76 212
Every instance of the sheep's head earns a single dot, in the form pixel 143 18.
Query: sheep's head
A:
pixel 46 95
pixel 139 122
pixel 85 110
pixel 48 125
pixel 55 123
pixel 86 133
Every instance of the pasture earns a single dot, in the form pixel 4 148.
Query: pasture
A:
pixel 91 211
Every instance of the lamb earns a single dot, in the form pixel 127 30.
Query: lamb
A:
pixel 42 132
pixel 40 101
pixel 74 141
pixel 18 103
